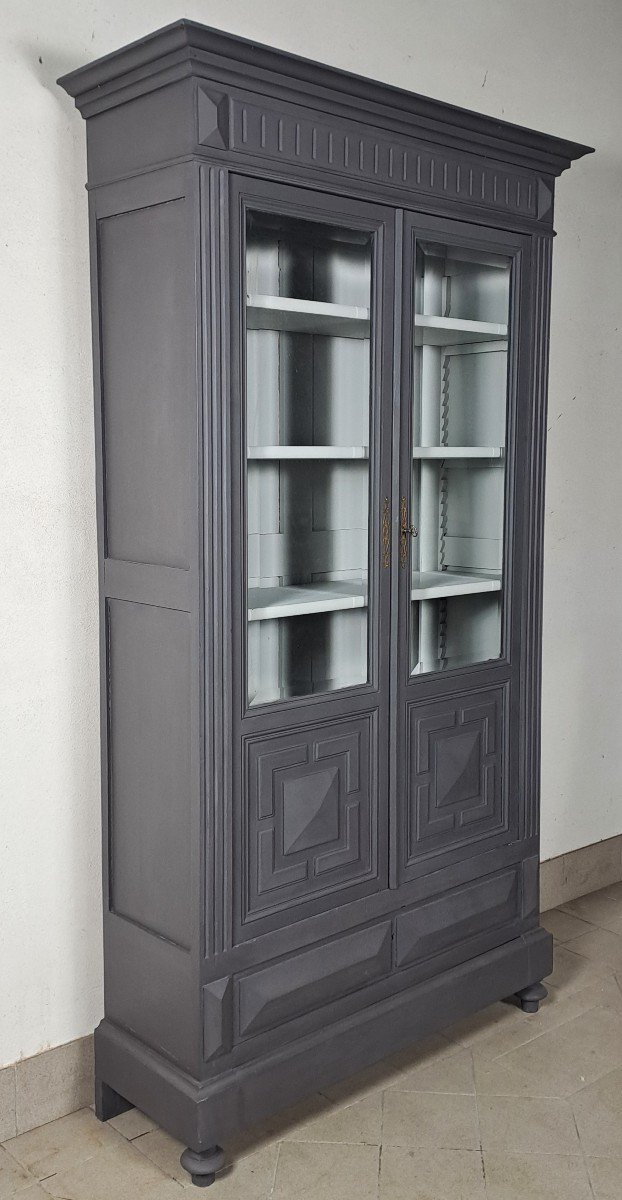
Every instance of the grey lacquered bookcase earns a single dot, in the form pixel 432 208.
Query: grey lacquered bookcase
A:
pixel 320 315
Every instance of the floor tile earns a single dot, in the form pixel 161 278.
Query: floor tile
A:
pixel 451 1072
pixel 163 1151
pixel 535 1177
pixel 599 908
pixel 562 1004
pixel 497 1079
pixel 431 1175
pixel 606 1176
pixel 53 1084
pixel 598 1113
pixel 62 1144
pixel 8 1125
pixel 572 971
pixel 530 1125
pixel 249 1178
pixel 421 1120
pixel 614 890
pixel 571 1056
pixel 357 1122
pixel 320 1171
pixel 603 992
pixel 14 1178
pixel 599 946
pixel 119 1174
pixel 563 925
pixel 132 1124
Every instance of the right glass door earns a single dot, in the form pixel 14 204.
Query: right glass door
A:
pixel 463 437
pixel 455 519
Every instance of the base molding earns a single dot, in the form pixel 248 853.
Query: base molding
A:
pixel 580 871
pixel 201 1114
pixel 59 1081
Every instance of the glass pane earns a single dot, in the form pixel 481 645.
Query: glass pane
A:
pixel 458 473
pixel 308 431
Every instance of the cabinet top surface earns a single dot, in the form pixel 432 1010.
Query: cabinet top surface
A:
pixel 189 48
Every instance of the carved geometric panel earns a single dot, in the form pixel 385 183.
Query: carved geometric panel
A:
pixel 310 805
pixel 456 790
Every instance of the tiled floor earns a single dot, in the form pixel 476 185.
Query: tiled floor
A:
pixel 502 1106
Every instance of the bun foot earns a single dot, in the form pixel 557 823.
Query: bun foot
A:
pixel 530 997
pixel 202 1165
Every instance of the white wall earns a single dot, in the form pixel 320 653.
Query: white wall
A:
pixel 551 64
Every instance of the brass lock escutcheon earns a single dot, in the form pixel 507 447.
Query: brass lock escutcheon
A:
pixel 386 533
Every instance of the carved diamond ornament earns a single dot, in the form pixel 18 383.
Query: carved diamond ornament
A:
pixel 456 788
pixel 311 814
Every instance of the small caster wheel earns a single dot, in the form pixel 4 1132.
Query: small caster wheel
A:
pixel 531 996
pixel 202 1165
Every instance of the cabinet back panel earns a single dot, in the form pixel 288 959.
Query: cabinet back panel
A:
pixel 149 766
pixel 148 392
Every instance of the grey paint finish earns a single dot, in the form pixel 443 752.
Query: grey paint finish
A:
pixel 238 980
pixel 146 351
pixel 441 923
pixel 142 65
pixel 149 737
pixel 214 1109
pixel 276 994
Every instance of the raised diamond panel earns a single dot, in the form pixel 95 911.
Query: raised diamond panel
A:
pixel 311 810
pixel 456 790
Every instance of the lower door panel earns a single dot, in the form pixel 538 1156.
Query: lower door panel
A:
pixel 456 794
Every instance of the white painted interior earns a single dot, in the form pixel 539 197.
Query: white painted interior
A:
pixel 552 64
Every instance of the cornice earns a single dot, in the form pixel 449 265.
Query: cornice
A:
pixel 187 48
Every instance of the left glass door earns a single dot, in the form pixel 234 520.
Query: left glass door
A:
pixel 309 289
pixel 310 415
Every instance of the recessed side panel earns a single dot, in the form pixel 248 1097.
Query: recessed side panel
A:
pixel 457 794
pixel 149 766
pixel 148 361
pixel 311 816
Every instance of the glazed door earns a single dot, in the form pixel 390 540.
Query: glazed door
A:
pixel 311 432
pixel 460 442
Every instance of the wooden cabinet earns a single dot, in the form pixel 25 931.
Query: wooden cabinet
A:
pixel 320 314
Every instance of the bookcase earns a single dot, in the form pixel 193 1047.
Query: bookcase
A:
pixel 320 333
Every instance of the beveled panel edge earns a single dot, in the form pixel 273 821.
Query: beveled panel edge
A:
pixel 147 583
pixel 187 47
pixel 217 1017
pixel 491 901
pixel 262 996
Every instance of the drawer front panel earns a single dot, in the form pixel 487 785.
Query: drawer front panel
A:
pixel 461 914
pixel 306 981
